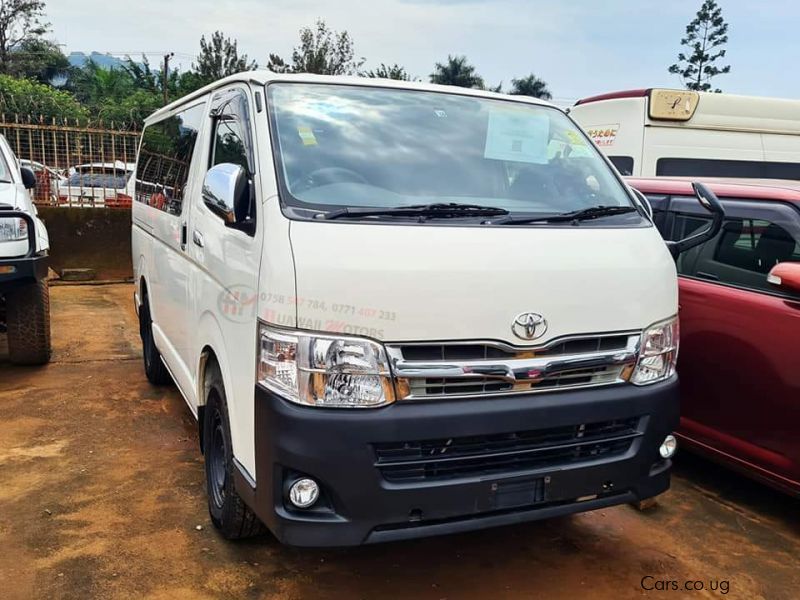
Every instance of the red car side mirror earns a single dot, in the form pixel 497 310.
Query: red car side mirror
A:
pixel 785 275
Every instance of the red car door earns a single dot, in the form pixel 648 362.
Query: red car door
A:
pixel 739 360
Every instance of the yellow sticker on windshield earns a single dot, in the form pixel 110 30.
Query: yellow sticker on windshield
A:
pixel 307 136
pixel 574 138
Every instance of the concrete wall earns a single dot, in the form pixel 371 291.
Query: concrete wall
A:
pixel 90 238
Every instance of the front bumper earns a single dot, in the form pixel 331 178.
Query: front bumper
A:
pixel 361 504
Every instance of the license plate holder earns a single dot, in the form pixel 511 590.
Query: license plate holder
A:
pixel 515 493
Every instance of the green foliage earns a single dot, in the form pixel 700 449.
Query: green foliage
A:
pixel 94 85
pixel 530 86
pixel 130 110
pixel 20 21
pixel 705 37
pixel 218 58
pixel 40 60
pixel 25 97
pixel 322 51
pixel 394 71
pixel 457 71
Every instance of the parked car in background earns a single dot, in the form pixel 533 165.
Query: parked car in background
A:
pixel 47 182
pixel 399 309
pixel 24 245
pixel 739 363
pixel 98 184
pixel 650 132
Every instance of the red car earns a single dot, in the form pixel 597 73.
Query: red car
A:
pixel 739 360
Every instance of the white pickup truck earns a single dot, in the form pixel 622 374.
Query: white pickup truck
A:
pixel 24 245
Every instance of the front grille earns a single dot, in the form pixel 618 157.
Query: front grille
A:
pixel 468 351
pixel 456 386
pixel 428 371
pixel 471 456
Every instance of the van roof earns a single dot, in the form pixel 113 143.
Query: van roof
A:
pixel 727 111
pixel 785 190
pixel 264 76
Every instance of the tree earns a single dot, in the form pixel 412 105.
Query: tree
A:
pixel 40 60
pixel 705 37
pixel 20 21
pixel 219 57
pixel 93 85
pixel 277 65
pixel 530 86
pixel 322 51
pixel 457 71
pixel 394 71
pixel 25 97
pixel 130 110
pixel 142 76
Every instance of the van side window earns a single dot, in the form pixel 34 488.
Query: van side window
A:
pixel 165 155
pixel 742 253
pixel 624 164
pixel 231 132
pixel 707 167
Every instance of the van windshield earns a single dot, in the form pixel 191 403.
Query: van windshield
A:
pixel 348 146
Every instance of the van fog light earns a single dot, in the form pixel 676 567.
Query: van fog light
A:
pixel 304 493
pixel 668 447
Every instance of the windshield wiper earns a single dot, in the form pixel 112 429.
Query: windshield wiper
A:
pixel 593 212
pixel 438 210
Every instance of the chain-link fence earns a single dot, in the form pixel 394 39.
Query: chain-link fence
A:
pixel 75 164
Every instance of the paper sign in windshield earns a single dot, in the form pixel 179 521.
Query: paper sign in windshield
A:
pixel 517 136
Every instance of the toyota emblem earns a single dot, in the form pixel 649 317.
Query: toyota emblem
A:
pixel 529 326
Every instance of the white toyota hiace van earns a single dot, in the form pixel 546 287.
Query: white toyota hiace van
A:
pixel 399 309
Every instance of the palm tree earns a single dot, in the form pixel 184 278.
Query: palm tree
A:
pixel 457 71
pixel 530 86
pixel 93 84
pixel 384 71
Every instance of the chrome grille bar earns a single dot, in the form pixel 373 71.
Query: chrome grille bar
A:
pixel 513 370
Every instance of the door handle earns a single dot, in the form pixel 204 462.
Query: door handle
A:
pixel 197 238
pixel 183 236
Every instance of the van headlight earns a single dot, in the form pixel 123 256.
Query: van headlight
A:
pixel 658 353
pixel 324 370
pixel 13 229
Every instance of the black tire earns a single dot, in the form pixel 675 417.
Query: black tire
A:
pixel 154 367
pixel 28 323
pixel 230 515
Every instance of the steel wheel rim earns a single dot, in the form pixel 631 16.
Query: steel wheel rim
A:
pixel 217 473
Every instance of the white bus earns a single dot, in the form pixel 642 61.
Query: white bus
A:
pixel 650 132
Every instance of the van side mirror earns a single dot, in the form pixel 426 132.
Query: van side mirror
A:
pixel 711 203
pixel 227 192
pixel 785 275
pixel 28 178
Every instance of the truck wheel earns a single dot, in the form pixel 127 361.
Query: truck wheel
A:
pixel 28 323
pixel 229 513
pixel 154 367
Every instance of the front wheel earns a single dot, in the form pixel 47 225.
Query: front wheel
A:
pixel 229 513
pixel 28 323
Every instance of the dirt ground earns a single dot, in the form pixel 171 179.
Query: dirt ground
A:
pixel 102 496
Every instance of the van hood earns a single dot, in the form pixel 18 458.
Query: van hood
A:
pixel 423 283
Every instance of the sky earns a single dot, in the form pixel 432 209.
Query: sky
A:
pixel 579 47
